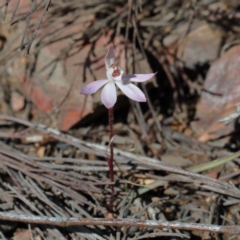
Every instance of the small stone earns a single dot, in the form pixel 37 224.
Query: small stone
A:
pixel 17 101
pixel 201 45
pixel 221 97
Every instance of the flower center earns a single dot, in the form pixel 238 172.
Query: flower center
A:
pixel 116 71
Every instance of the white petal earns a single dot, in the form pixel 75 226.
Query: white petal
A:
pixel 93 86
pixel 132 91
pixel 109 58
pixel 138 77
pixel 109 95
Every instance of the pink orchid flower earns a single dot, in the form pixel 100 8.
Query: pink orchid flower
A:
pixel 115 76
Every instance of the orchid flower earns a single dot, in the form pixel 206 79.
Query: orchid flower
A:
pixel 115 76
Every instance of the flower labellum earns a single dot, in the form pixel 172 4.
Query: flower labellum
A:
pixel 115 76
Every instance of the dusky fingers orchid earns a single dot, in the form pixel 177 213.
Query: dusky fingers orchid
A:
pixel 115 76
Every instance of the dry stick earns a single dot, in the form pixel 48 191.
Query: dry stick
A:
pixel 26 15
pixel 38 26
pixel 34 4
pixel 143 86
pixel 15 10
pixel 5 11
pixel 7 1
pixel 67 222
pixel 210 183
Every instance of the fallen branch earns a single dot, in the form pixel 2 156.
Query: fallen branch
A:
pixel 66 222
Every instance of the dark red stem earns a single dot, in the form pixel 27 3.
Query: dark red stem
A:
pixel 110 158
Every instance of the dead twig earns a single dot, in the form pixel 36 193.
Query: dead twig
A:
pixel 67 222
pixel 231 117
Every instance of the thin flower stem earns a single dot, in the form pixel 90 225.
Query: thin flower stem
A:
pixel 110 158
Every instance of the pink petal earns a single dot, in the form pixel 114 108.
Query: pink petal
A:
pixel 109 95
pixel 138 77
pixel 109 58
pixel 93 86
pixel 132 91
